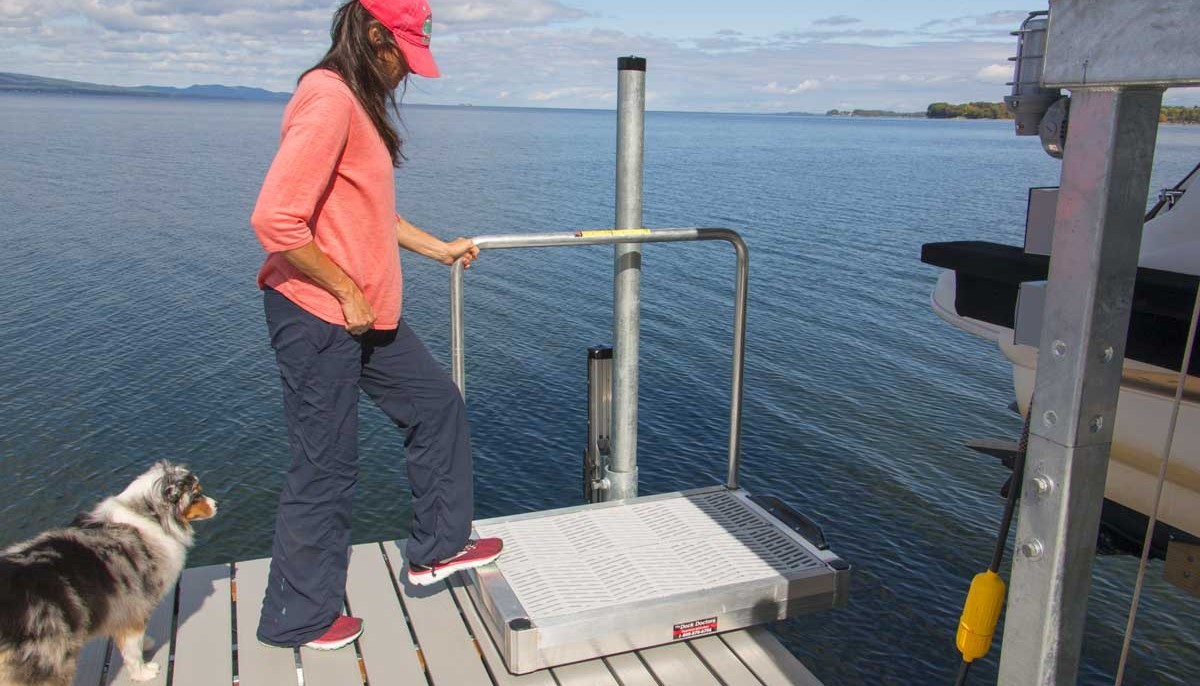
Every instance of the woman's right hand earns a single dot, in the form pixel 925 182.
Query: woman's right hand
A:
pixel 358 313
pixel 316 265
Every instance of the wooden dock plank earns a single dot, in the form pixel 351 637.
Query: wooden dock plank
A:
pixel 386 644
pixel 156 646
pixel 443 618
pixel 590 673
pixel 768 659
pixel 676 665
pixel 491 654
pixel 451 655
pixel 204 654
pixel 91 663
pixel 630 670
pixel 257 664
pixel 723 662
pixel 331 667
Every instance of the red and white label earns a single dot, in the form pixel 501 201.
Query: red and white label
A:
pixel 694 628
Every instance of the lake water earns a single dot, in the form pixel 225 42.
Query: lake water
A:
pixel 131 330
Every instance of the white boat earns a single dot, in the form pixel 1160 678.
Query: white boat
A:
pixel 977 292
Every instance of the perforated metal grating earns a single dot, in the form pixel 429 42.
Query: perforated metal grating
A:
pixel 592 559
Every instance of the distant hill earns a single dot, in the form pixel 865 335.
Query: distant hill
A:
pixel 25 83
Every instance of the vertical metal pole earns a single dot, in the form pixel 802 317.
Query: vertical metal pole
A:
pixel 599 422
pixel 627 283
pixel 1093 264
pixel 741 295
pixel 458 365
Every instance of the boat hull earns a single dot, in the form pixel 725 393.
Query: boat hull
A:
pixel 1144 408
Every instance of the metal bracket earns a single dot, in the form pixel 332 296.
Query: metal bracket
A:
pixel 1183 566
pixel 1170 196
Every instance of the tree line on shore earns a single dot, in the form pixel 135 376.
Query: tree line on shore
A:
pixel 970 110
pixel 1179 115
pixel 1169 114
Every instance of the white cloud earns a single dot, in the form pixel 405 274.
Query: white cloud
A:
pixel 460 14
pixel 724 41
pixel 517 52
pixel 25 13
pixel 836 20
pixel 125 17
pixel 995 73
pixel 803 86
pixel 992 26
pixel 575 93
pixel 1008 18
pixel 840 35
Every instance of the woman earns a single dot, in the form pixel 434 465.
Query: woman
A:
pixel 332 292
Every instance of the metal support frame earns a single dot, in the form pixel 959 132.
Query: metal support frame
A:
pixel 621 472
pixel 609 237
pixel 1098 43
pixel 1093 264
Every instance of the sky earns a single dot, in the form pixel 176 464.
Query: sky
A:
pixel 728 56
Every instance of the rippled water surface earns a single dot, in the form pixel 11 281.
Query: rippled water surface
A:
pixel 130 329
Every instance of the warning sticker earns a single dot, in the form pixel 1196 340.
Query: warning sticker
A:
pixel 612 232
pixel 692 629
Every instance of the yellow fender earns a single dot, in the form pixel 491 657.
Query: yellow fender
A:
pixel 980 615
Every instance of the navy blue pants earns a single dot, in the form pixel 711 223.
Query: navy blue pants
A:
pixel 322 368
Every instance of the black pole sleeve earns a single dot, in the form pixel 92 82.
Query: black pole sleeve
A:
pixel 600 352
pixel 631 63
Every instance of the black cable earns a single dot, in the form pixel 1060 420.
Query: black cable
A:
pixel 1014 493
pixel 1010 506
pixel 962 674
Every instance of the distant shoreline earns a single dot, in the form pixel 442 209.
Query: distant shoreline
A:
pixel 38 85
pixel 143 96
pixel 28 84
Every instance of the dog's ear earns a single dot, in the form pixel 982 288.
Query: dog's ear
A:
pixel 172 491
pixel 177 484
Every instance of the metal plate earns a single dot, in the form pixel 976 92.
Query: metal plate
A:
pixel 1107 43
pixel 1183 566
pixel 601 579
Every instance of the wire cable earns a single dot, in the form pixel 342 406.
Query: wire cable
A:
pixel 989 586
pixel 961 679
pixel 1162 478
pixel 1014 494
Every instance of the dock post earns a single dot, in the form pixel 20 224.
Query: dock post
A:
pixel 622 473
pixel 1093 263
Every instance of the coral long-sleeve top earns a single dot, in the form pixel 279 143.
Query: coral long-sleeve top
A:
pixel 331 183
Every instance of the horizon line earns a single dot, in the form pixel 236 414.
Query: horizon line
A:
pixel 288 94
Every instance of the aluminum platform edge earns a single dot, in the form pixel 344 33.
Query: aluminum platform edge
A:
pixel 589 581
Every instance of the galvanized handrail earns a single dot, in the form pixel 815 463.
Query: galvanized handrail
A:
pixel 606 237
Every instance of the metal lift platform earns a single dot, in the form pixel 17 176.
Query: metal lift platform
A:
pixel 619 575
pixel 584 582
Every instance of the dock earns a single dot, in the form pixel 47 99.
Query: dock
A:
pixel 203 634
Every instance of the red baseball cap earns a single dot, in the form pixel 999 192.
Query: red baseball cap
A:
pixel 411 22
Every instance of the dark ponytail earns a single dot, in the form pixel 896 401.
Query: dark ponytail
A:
pixel 355 57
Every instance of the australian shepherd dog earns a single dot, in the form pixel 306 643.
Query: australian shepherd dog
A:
pixel 102 575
